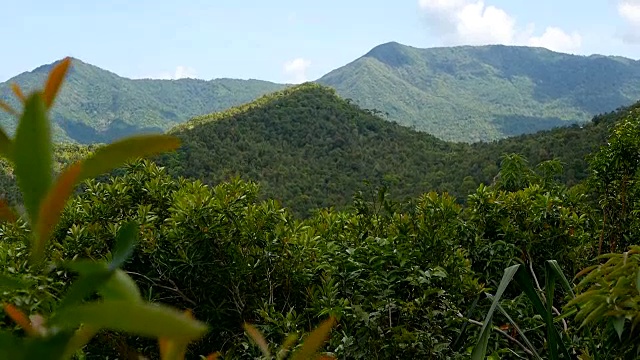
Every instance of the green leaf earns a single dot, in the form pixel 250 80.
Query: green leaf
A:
pixel 522 334
pixel 9 283
pixel 142 319
pixel 126 240
pixel 32 155
pixel 93 275
pixel 638 281
pixel 554 267
pixel 480 350
pixel 5 145
pixel 314 341
pixel 618 325
pixel 113 155
pixel 120 286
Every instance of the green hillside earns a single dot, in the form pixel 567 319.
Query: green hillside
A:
pixel 473 93
pixel 96 105
pixel 309 148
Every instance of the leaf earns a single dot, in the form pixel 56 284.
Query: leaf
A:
pixel 522 334
pixel 554 267
pixel 93 275
pixel 6 107
pixel 135 318
pixel 9 283
pixel 32 155
pixel 6 213
pixel 314 341
pixel 480 349
pixel 120 286
pixel 126 240
pixel 5 144
pixel 19 318
pixel 18 92
pixel 115 154
pixel 52 206
pixel 618 325
pixel 638 281
pixel 257 337
pixel 54 81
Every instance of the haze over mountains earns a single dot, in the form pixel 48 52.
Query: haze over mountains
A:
pixel 465 93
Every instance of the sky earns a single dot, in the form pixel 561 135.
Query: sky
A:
pixel 292 41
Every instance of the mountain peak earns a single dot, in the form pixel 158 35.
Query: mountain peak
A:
pixel 392 53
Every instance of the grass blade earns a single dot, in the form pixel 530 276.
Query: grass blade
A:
pixel 480 349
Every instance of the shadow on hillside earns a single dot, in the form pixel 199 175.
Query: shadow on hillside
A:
pixel 118 129
pixel 518 125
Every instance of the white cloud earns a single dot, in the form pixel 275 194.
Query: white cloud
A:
pixel 473 22
pixel 557 40
pixel 629 11
pixel 180 72
pixel 296 69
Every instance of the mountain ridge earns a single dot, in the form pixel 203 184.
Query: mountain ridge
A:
pixel 479 93
pixel 460 93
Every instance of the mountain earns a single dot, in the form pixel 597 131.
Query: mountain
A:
pixel 309 148
pixel 472 93
pixel 96 105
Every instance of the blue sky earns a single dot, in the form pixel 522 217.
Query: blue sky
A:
pixel 293 41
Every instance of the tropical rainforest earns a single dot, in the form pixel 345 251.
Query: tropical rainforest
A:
pixel 300 215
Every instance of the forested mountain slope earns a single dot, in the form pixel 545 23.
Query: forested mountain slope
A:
pixel 472 93
pixel 309 148
pixel 96 105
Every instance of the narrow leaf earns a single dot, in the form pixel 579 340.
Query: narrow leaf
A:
pixel 554 267
pixel 80 338
pixel 522 334
pixel 52 206
pixel 314 341
pixel 5 144
pixel 257 337
pixel 126 240
pixel 32 155
pixel 6 107
pixel 54 81
pixel 19 318
pixel 135 318
pixel 9 283
pixel 638 281
pixel 93 275
pixel 480 350
pixel 115 154
pixel 6 213
pixel 18 92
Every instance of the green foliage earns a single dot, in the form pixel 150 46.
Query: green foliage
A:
pixel 482 93
pixel 62 331
pixel 310 149
pixel 97 106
